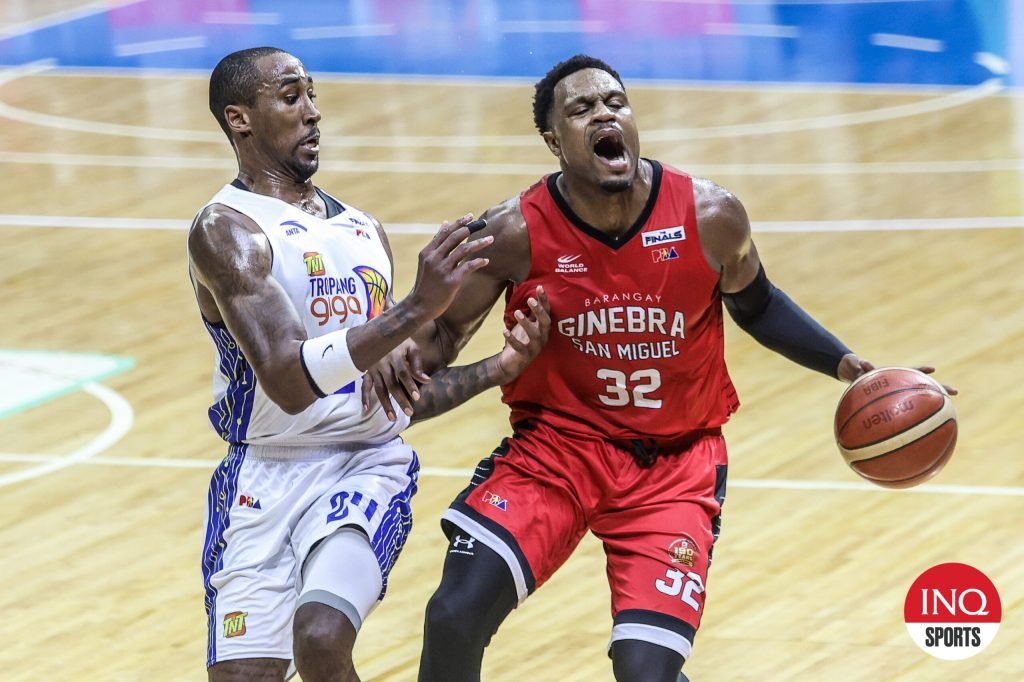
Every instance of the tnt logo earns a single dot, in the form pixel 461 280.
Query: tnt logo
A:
pixel 495 500
pixel 952 611
pixel 251 502
pixel 664 254
pixel 314 263
pixel 234 624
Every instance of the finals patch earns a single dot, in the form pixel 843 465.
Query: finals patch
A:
pixel 669 234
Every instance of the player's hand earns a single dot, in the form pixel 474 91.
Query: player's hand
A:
pixel 444 264
pixel 398 374
pixel 526 339
pixel 852 367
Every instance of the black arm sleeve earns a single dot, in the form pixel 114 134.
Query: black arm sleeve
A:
pixel 776 322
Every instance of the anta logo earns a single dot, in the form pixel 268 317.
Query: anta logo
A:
pixel 314 263
pixel 663 254
pixel 495 500
pixel 569 263
pixel 234 624
pixel 251 502
pixel 669 234
pixel 294 227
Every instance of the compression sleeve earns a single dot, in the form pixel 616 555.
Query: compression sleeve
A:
pixel 776 322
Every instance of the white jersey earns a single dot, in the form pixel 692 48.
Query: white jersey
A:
pixel 338 275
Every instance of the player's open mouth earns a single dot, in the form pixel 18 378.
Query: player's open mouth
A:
pixel 312 143
pixel 610 149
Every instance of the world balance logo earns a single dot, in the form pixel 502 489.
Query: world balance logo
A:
pixel 952 611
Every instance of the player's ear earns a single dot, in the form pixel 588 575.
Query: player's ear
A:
pixel 238 119
pixel 554 146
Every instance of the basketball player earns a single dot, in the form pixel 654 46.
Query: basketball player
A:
pixel 617 423
pixel 309 509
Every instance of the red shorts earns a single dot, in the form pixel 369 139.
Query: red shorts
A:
pixel 538 493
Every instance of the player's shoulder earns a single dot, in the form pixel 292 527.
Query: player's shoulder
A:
pixel 716 204
pixel 220 233
pixel 216 219
pixel 721 219
pixel 510 252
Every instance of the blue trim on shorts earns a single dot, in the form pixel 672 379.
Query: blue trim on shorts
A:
pixel 395 525
pixel 220 498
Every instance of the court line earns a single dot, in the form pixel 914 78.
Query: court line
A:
pixel 121 419
pixel 122 365
pixel 241 18
pixel 780 226
pixel 905 42
pixel 345 31
pixel 456 472
pixel 951 100
pixel 457 80
pixel 63 17
pixel 532 170
pixel 158 46
pixel 552 26
pixel 752 30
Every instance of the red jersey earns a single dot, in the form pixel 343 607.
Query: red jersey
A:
pixel 637 346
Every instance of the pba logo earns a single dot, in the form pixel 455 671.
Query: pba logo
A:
pixel 683 551
pixel 250 502
pixel 663 254
pixel 314 263
pixel 495 500
pixel 234 624
pixel 952 611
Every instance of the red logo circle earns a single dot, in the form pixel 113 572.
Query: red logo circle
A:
pixel 952 611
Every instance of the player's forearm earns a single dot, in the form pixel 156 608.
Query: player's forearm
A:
pixel 370 342
pixel 451 387
pixel 775 321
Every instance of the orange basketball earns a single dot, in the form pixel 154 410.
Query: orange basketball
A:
pixel 896 427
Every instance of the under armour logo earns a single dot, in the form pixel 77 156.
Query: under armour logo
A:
pixel 468 542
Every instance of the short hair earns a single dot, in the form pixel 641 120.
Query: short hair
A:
pixel 235 80
pixel 544 91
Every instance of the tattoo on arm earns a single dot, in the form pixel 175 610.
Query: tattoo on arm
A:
pixel 451 387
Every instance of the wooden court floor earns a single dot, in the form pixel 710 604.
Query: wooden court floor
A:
pixel 101 174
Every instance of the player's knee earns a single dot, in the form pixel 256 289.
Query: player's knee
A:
pixel 636 661
pixel 322 634
pixel 447 618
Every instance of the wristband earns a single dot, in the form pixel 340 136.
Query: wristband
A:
pixel 328 363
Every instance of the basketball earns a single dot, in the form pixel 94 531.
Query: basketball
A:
pixel 896 427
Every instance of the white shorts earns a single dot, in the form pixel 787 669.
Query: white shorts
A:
pixel 267 508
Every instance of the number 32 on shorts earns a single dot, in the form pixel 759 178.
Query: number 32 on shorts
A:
pixel 621 391
pixel 688 583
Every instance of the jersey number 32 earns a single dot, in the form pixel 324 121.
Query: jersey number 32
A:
pixel 621 391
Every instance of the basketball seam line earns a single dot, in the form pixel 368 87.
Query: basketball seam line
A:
pixel 875 400
pixel 905 445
